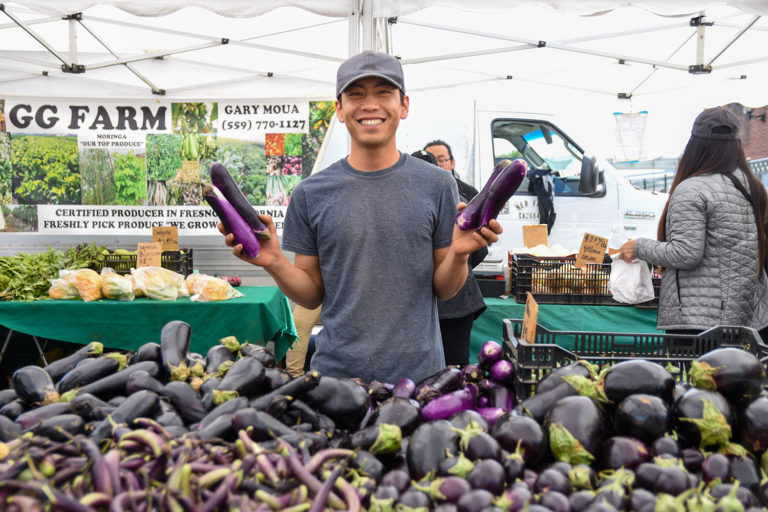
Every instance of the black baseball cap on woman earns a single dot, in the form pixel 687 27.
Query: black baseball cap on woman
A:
pixel 716 123
pixel 367 64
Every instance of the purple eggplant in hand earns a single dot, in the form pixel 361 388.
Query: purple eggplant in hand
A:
pixel 486 205
pixel 232 221
pixel 224 181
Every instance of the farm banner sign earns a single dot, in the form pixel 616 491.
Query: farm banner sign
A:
pixel 79 167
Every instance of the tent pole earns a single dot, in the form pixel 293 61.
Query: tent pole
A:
pixel 36 37
pixel 728 45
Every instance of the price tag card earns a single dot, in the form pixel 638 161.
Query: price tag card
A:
pixel 148 255
pixel 535 234
pixel 167 236
pixel 530 316
pixel 592 250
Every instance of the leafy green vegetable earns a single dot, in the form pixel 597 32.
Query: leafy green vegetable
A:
pixel 163 156
pixel 45 169
pixel 130 178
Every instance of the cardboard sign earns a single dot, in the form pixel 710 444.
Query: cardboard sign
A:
pixel 167 236
pixel 148 255
pixel 528 329
pixel 535 234
pixel 592 250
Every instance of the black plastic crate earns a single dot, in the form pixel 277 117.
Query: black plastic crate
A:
pixel 554 280
pixel 172 260
pixel 533 361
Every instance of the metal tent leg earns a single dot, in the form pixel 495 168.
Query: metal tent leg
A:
pixel 5 344
pixel 40 350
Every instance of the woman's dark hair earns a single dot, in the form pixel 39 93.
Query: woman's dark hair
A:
pixel 707 156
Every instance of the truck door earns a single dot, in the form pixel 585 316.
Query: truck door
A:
pixel 581 198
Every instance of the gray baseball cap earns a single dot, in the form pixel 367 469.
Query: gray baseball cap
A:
pixel 717 123
pixel 367 64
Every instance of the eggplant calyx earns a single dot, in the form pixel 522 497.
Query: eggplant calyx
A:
pixel 580 477
pixel 4 451
pixel 122 359
pixel 197 370
pixel 734 449
pixel 462 467
pixel 593 369
pixel 223 368
pixel 764 464
pixel 381 505
pixel 179 372
pixel 669 503
pixel 388 440
pixel 583 386
pixel 566 448
pixel 95 349
pixel 702 374
pixel 431 489
pixel 231 343
pixel 220 396
pixel 68 396
pixel 619 479
pixel 713 427
pixel 466 434
pixel 730 502
pixel 196 383
pixel 667 462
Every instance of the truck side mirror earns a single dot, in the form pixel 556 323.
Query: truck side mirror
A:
pixel 589 184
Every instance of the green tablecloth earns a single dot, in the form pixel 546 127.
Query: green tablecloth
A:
pixel 263 314
pixel 630 319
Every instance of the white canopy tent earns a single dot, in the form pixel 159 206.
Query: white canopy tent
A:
pixel 583 59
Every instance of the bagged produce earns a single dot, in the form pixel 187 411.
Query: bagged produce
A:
pixel 209 288
pixel 158 283
pixel 87 282
pixel 630 282
pixel 191 280
pixel 61 288
pixel 116 287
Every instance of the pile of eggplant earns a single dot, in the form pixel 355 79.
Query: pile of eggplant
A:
pixel 165 429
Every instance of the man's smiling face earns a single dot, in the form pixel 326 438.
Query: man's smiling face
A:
pixel 371 108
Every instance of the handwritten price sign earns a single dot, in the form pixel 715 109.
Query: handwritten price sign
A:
pixel 148 255
pixel 592 250
pixel 530 316
pixel 167 236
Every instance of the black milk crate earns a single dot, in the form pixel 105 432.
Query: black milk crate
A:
pixel 554 280
pixel 533 361
pixel 172 260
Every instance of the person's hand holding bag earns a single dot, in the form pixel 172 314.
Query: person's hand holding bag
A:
pixel 630 280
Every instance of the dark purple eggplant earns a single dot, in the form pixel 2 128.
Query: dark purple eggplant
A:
pixel 552 480
pixel 580 500
pixel 500 396
pixel 232 221
pixel 380 391
pixel 692 459
pixel 58 368
pixel 753 426
pixel 512 431
pixel 142 380
pixel 646 475
pixel 384 498
pixel 209 385
pixel 403 412
pixel 716 465
pixel 489 202
pixel 472 373
pixel 222 179
pixel 13 409
pixel 275 377
pixel 34 386
pixel 446 380
pixel 114 384
pixel 260 353
pixel 228 408
pixel 555 377
pixel 304 414
pixel 405 388
pixel 168 419
pixel 429 445
pixel 539 404
pixel 9 429
pixel 470 418
pixel 555 501
pixel 459 466
pixel 448 489
pixel 262 425
pixel 478 445
pixel 413 500
pixel 703 419
pixel 445 406
pixel 60 428
pixel 7 396
pixel 645 417
pixel 174 346
pixel 367 464
pixel 672 480
pixel 216 355
pixel 149 351
pixel 245 377
pixel 489 353
pixel 140 404
pixel 344 401
pixel 185 400
pixel 574 426
pixel 446 507
pixel 295 388
pixel 623 452
pixel 640 498
pixel 637 376
pixel 398 479
pixel 34 416
pixel 90 370
pixel 475 501
pixel 734 372
pixel 744 469
pixel 665 445
pixel 91 408
pixel 219 428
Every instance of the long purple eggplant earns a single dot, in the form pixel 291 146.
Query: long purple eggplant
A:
pixel 264 426
pixel 232 221
pixel 174 345
pixel 34 386
pixel 447 405
pixel 90 370
pixel 446 380
pixel 58 368
pixel 343 400
pixel 113 385
pixel 488 203
pixel 224 181
pixel 245 377
pixel 60 428
pixel 141 403
pixel 185 400
pixel 34 416
pixel 227 408
pixel 9 429
pixel 91 408
pixel 377 439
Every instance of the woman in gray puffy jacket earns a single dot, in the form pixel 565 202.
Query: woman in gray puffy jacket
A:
pixel 712 235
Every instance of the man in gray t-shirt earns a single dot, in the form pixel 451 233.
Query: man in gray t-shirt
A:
pixel 374 239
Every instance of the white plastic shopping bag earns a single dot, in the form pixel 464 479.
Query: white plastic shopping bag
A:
pixel 630 282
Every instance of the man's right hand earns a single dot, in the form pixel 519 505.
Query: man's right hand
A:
pixel 270 249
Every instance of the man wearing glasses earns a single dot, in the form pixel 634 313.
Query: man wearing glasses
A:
pixel 444 156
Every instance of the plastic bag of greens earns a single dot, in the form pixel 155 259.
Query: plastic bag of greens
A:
pixel 116 287
pixel 157 282
pixel 87 282
pixel 209 288
pixel 61 288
